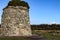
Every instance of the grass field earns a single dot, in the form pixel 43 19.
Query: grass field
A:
pixel 14 38
pixel 51 36
pixel 22 38
pixel 48 35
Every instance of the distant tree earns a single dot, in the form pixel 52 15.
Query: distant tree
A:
pixel 45 27
pixel 0 25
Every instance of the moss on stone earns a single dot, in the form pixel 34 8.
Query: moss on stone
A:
pixel 18 3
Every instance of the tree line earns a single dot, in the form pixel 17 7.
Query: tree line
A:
pixel 46 27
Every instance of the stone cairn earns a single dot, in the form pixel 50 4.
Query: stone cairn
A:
pixel 15 19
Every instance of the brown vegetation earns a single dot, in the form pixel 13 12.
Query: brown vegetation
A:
pixel 46 27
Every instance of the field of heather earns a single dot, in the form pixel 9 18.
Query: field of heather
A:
pixel 48 34
pixel 35 37
pixel 38 35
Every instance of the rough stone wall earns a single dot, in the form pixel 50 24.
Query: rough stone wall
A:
pixel 15 21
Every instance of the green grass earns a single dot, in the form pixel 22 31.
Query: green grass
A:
pixel 48 36
pixel 51 36
pixel 14 38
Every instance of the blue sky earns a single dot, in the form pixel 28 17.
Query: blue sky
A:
pixel 41 11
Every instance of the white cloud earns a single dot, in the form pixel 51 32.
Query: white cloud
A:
pixel 53 22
